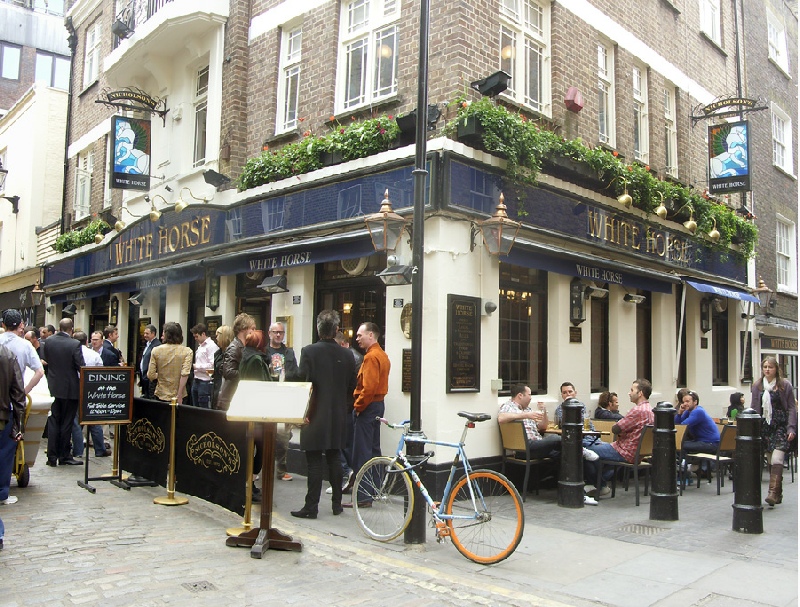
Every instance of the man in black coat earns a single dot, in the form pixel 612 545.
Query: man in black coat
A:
pixel 64 358
pixel 112 357
pixel 151 342
pixel 332 371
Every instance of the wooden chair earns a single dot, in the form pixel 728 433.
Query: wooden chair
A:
pixel 644 450
pixel 680 432
pixel 604 427
pixel 516 451
pixel 723 456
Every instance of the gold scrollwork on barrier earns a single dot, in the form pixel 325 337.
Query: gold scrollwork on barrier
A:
pixel 144 435
pixel 210 451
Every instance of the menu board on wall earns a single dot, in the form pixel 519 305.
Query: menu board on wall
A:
pixel 463 343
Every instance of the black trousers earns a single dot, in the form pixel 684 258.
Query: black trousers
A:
pixel 333 459
pixel 59 429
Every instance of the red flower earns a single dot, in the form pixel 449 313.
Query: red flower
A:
pixel 647 167
pixel 332 118
pixel 383 131
pixel 630 168
pixel 307 133
pixel 463 104
pixel 352 118
pixel 300 119
pixel 264 148
pixel 390 117
pixel 615 153
pixel 341 131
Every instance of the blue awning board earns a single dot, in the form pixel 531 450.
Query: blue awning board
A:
pixel 722 291
pixel 79 294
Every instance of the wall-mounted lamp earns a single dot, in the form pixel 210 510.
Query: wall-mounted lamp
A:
pixel 181 204
pixel 212 289
pixel 661 210
pixel 764 294
pixel 274 284
pixel 633 298
pixel 690 224
pixel 216 179
pixel 37 294
pixel 705 315
pixel 385 227
pixel 492 85
pixel 577 309
pixel 70 309
pixel 136 300
pixel 499 232
pixel 592 291
pixel 625 199
pixel 489 308
pixel 396 275
pixel 714 233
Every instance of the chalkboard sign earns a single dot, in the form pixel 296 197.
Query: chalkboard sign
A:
pixel 463 343
pixel 406 376
pixel 106 395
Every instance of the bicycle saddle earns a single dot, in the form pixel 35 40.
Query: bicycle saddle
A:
pixel 475 417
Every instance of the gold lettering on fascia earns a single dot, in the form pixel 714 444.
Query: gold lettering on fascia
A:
pixel 280 261
pixel 609 228
pixel 184 236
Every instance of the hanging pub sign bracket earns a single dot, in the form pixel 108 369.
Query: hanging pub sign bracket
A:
pixel 717 108
pixel 132 99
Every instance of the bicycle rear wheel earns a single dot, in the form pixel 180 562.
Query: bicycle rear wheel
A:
pixel 493 532
pixel 390 499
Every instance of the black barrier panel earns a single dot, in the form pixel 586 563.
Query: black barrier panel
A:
pixel 210 457
pixel 144 448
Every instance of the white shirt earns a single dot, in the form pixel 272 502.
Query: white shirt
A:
pixel 23 350
pixel 204 359
pixel 91 358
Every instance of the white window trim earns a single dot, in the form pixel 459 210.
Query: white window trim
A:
pixel 711 20
pixel 83 207
pixel 200 99
pixel 606 78
pixel 522 36
pixel 640 99
pixel 671 131
pixel 287 64
pixel 777 49
pixel 788 156
pixel 91 70
pixel 377 21
pixel 792 254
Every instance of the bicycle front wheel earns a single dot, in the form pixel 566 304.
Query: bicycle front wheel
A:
pixel 383 499
pixel 492 525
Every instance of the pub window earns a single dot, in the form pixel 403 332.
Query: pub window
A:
pixel 644 337
pixel 599 365
pixel 523 328
pixel 719 342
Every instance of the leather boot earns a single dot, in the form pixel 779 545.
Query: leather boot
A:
pixel 775 485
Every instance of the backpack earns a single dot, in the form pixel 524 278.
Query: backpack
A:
pixel 254 367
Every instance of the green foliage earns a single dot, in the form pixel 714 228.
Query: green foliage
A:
pixel 356 140
pixel 77 238
pixel 525 146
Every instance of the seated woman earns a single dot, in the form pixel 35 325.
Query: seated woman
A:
pixel 608 407
pixel 736 406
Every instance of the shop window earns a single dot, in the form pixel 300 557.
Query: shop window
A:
pixel 644 337
pixel 599 364
pixel 523 328
pixel 719 342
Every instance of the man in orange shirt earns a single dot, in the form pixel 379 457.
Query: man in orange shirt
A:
pixel 372 386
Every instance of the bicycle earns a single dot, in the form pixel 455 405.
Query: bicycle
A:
pixel 481 512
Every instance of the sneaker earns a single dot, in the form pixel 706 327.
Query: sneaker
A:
pixel 589 501
pixel 590 455
pixel 285 477
pixel 600 493
pixel 329 490
pixel 11 499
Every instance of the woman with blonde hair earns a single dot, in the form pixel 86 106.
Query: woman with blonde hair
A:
pixel 773 399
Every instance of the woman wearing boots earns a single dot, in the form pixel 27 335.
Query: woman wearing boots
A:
pixel 773 398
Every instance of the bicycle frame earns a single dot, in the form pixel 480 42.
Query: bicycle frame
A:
pixel 460 461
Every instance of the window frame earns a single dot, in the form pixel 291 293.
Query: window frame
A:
pixel 782 144
pixel 641 114
pixel 786 255
pixel 607 134
pixel 670 132
pixel 84 169
pixel 54 59
pixel 777 46
pixel 91 55
pixel 720 331
pixel 519 37
pixel 200 106
pixel 3 49
pixel 363 24
pixel 290 67
pixel 711 20
pixel 599 375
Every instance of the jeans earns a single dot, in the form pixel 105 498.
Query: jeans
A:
pixel 98 440
pixel 367 439
pixel 547 446
pixel 605 451
pixel 201 393
pixel 8 448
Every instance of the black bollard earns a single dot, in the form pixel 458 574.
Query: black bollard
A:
pixel 570 477
pixel 664 494
pixel 747 508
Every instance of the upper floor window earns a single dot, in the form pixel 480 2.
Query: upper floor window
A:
pixel 670 133
pixel 525 51
pixel 289 84
pixel 368 39
pixel 776 39
pixel 710 20
pixel 10 55
pixel 640 115
pixel 83 184
pixel 200 116
pixel 786 255
pixel 91 59
pixel 52 70
pixel 605 90
pixel 782 140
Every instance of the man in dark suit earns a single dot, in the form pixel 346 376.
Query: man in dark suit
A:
pixel 151 341
pixel 110 355
pixel 64 359
pixel 332 371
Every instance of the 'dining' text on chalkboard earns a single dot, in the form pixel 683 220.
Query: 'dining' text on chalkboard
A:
pixel 106 395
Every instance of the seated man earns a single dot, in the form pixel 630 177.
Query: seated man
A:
pixel 628 432
pixel 608 407
pixel 535 422
pixel 702 434
pixel 568 391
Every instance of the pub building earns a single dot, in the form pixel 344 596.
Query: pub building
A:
pixel 591 292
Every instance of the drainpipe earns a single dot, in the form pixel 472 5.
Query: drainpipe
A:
pixel 72 40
